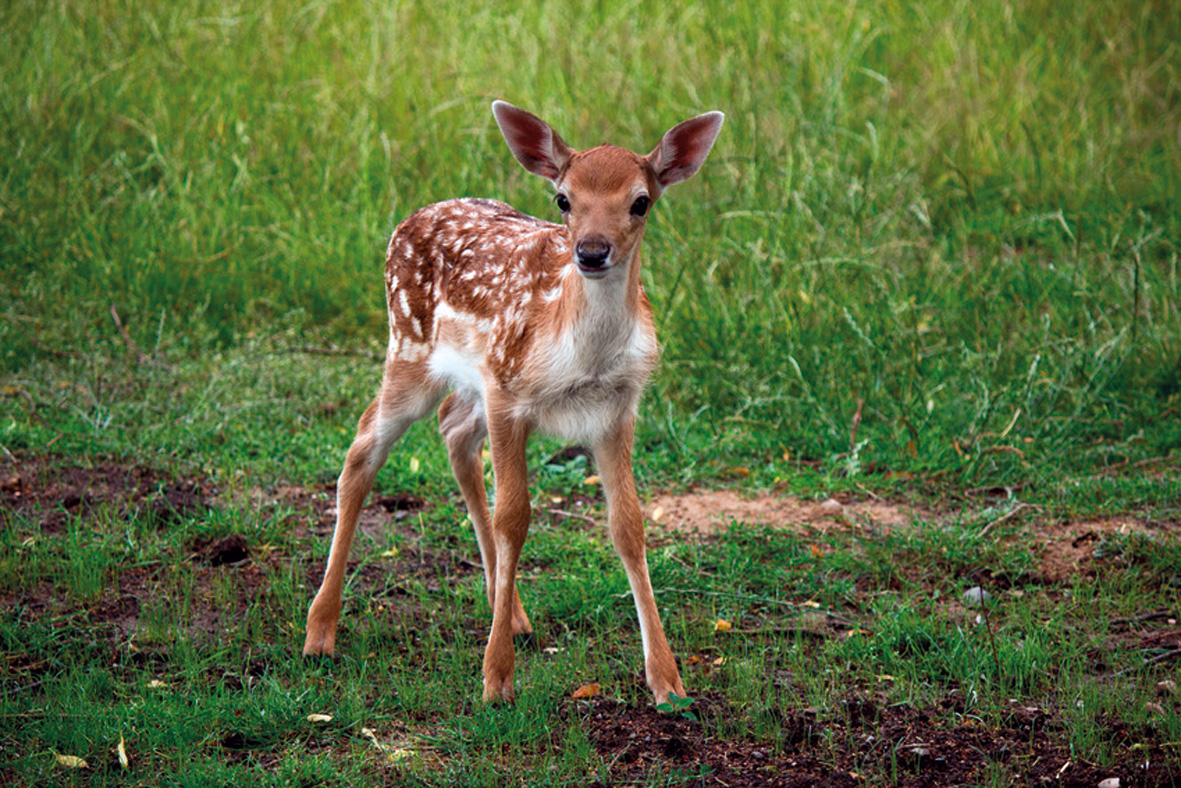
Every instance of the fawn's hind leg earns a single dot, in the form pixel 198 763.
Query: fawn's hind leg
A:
pixel 400 404
pixel 464 427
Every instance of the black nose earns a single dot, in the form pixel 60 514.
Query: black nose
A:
pixel 593 253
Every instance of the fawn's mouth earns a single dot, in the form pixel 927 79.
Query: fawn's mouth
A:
pixel 597 272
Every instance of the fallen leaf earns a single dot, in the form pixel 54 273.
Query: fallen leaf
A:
pixel 591 480
pixel 816 551
pixel 722 625
pixel 121 751
pixel 391 553
pixel 719 662
pixel 657 513
pixel 743 472
pixel 414 465
pixel 319 718
pixel 156 684
pixel 1155 708
pixel 71 761
pixel 586 691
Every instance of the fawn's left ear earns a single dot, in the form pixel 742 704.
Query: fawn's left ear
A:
pixel 684 148
pixel 538 147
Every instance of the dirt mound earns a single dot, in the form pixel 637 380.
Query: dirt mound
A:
pixel 706 512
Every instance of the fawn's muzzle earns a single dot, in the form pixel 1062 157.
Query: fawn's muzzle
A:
pixel 593 254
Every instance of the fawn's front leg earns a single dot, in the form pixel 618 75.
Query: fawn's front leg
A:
pixel 462 423
pixel 625 521
pixel 510 524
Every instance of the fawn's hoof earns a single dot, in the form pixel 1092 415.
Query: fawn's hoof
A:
pixel 319 644
pixel 499 691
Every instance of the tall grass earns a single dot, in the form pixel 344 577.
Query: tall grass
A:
pixel 963 216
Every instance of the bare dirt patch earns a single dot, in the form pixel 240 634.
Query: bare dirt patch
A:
pixel 707 512
pixel 1076 549
pixel 49 493
pixel 861 738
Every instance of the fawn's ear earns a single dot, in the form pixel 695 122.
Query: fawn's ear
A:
pixel 538 147
pixel 683 148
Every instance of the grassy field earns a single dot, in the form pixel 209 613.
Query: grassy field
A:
pixel 933 260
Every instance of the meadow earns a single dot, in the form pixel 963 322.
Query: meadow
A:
pixel 931 262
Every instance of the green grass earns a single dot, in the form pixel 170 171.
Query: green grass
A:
pixel 957 220
pixel 965 218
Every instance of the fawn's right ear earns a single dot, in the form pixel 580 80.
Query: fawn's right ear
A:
pixel 538 147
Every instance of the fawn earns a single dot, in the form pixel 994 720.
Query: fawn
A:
pixel 530 325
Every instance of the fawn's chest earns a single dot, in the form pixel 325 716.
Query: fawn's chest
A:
pixel 490 297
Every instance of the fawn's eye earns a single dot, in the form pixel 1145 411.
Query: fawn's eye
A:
pixel 640 206
pixel 563 203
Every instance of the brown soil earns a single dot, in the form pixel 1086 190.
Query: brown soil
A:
pixel 845 746
pixel 706 512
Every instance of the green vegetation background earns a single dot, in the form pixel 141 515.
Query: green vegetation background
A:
pixel 963 216
pixel 935 247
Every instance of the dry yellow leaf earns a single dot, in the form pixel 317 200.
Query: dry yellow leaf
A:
pixel 319 718
pixel 156 684
pixel 591 480
pixel 71 761
pixel 414 465
pixel 722 625
pixel 586 691
pixel 121 751
pixel 657 513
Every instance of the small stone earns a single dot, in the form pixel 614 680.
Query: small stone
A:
pixel 1166 687
pixel 1110 782
pixel 830 506
pixel 975 596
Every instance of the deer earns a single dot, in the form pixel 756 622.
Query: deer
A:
pixel 516 324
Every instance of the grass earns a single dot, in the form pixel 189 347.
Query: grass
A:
pixel 205 684
pixel 933 257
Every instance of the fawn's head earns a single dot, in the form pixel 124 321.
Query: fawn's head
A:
pixel 605 193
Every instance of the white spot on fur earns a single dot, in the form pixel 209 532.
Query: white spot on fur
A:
pixel 458 370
